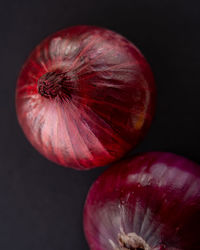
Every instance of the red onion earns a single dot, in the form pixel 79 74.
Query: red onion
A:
pixel 85 97
pixel 149 202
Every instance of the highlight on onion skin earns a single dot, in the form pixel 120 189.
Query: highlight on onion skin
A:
pixel 85 96
pixel 149 202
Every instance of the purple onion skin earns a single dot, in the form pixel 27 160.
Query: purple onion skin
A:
pixel 155 195
pixel 85 97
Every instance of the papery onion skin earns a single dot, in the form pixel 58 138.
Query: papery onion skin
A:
pixel 85 97
pixel 154 195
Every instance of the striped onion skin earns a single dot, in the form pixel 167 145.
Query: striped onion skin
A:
pixel 153 196
pixel 85 97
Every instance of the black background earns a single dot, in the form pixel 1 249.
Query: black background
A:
pixel 41 203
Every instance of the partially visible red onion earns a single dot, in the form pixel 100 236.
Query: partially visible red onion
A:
pixel 85 96
pixel 149 202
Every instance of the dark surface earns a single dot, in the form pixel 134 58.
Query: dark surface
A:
pixel 41 203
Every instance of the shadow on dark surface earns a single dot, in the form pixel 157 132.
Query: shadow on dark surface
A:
pixel 41 203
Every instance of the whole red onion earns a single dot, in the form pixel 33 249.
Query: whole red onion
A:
pixel 85 96
pixel 149 202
